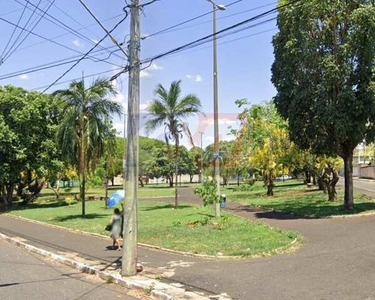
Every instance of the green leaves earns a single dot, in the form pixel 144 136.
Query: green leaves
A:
pixel 208 192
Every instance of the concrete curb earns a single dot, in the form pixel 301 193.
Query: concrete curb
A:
pixel 152 287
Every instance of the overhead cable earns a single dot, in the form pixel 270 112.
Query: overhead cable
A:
pixel 86 54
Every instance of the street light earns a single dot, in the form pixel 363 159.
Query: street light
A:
pixel 216 107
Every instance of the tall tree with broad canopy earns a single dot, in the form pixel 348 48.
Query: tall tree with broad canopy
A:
pixel 28 152
pixel 85 121
pixel 170 111
pixel 323 69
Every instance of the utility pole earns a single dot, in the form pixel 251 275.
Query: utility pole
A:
pixel 129 251
pixel 216 107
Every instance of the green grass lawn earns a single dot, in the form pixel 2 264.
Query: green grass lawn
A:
pixel 294 197
pixel 148 191
pixel 189 228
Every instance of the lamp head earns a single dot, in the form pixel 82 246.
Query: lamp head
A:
pixel 221 7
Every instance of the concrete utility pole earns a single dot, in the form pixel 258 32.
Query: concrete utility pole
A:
pixel 129 251
pixel 216 107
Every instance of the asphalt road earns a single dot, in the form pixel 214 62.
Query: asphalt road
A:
pixel 335 261
pixel 366 187
pixel 26 276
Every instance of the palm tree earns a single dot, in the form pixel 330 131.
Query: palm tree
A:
pixel 85 120
pixel 169 110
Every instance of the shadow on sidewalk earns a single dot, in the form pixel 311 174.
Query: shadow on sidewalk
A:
pixel 280 216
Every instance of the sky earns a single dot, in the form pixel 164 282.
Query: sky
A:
pixel 244 58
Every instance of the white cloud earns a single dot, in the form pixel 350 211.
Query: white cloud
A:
pixel 78 44
pixel 145 74
pixel 143 106
pixel 196 78
pixel 155 67
pixel 24 77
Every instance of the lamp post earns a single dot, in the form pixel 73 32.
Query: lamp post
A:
pixel 216 106
pixel 201 164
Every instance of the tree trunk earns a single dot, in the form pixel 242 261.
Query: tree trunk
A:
pixel 308 179
pixel 191 178
pixel 332 185
pixel 82 166
pixel 238 179
pixel 270 185
pixel 170 180
pixel 322 185
pixel 9 195
pixel 348 198
pixel 141 181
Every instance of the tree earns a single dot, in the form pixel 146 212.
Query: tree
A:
pixel 169 110
pixel 196 156
pixel 265 136
pixel 28 152
pixel 323 73
pixel 147 147
pixel 85 113
pixel 225 159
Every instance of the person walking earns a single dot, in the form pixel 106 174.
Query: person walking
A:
pixel 116 228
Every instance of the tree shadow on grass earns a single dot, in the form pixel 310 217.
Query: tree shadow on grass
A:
pixel 165 206
pixel 79 216
pixel 203 214
pixel 21 206
pixel 295 210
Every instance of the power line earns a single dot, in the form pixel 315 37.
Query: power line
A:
pixel 186 46
pixel 61 35
pixel 87 53
pixel 49 40
pixel 74 20
pixel 226 42
pixel 37 22
pixel 22 29
pixel 50 65
pixel 64 26
pixel 184 22
pixel 205 39
pixel 11 37
pixel 223 17
pixel 101 25
pixel 117 69
pixel 78 78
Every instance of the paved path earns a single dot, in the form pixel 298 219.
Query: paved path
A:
pixel 27 276
pixel 336 261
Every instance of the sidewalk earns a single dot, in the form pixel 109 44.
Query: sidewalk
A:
pixel 334 252
pixel 92 254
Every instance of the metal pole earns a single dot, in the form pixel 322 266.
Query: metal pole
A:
pixel 201 173
pixel 216 116
pixel 129 251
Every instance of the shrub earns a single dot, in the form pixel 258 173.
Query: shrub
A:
pixel 208 192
